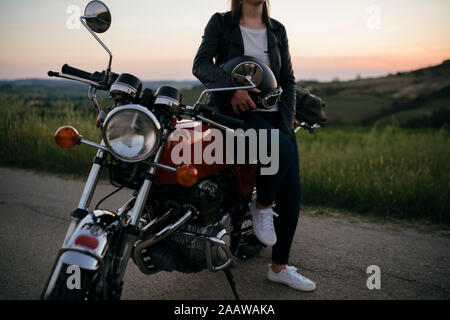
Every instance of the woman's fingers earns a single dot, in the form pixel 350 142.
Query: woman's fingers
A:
pixel 251 103
pixel 242 102
pixel 235 108
pixel 243 106
pixel 246 104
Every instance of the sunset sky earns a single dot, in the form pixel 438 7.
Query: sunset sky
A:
pixel 157 40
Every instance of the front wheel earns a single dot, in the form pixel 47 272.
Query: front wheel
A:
pixel 70 283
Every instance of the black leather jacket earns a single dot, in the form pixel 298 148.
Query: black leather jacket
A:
pixel 223 29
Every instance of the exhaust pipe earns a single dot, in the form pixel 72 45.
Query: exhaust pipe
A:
pixel 164 233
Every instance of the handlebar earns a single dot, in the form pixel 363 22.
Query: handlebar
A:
pixel 312 128
pixel 234 123
pixel 212 114
pixel 97 79
pixel 76 72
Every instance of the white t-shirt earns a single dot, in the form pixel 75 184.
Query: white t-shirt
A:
pixel 255 45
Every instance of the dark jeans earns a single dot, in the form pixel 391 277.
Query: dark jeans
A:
pixel 284 187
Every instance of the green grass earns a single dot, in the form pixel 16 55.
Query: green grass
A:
pixel 352 109
pixel 403 117
pixel 386 172
pixel 27 139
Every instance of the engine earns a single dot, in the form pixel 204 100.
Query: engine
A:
pixel 184 250
pixel 193 248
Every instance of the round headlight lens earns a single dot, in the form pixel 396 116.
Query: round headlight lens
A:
pixel 132 133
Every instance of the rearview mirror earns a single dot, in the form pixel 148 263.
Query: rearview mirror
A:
pixel 247 73
pixel 97 19
pixel 97 16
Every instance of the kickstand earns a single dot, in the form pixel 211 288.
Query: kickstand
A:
pixel 231 282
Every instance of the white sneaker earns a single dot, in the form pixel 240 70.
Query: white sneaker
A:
pixel 263 224
pixel 292 278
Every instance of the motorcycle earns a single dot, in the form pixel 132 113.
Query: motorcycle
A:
pixel 184 218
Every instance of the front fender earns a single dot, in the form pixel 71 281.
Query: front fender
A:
pixel 90 241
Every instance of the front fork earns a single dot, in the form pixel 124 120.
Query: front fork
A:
pixel 131 230
pixel 88 192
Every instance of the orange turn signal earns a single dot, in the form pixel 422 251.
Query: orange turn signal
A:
pixel 187 175
pixel 67 137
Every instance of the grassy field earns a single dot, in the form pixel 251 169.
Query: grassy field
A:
pixel 26 138
pixel 388 172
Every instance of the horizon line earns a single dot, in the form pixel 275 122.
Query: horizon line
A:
pixel 332 79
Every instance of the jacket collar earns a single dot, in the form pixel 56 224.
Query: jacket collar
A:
pixel 236 36
pixel 272 26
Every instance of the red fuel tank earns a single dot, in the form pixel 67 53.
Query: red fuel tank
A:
pixel 199 133
pixel 200 138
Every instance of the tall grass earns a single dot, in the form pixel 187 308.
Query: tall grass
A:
pixel 27 138
pixel 384 171
pixel 388 172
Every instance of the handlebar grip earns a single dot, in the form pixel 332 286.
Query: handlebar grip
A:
pixel 76 72
pixel 203 108
pixel 53 74
pixel 211 113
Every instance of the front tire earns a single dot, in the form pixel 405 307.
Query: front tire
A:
pixel 61 285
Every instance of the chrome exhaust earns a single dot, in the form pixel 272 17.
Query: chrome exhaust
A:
pixel 164 233
pixel 208 250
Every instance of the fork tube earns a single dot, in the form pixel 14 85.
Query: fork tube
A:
pixel 73 224
pixel 88 192
pixel 92 180
pixel 132 231
pixel 141 198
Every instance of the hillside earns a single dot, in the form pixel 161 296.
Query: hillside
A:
pixel 403 98
pixel 419 98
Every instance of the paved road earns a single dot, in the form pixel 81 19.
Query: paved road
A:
pixel 334 252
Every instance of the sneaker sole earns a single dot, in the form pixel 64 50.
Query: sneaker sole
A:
pixel 289 285
pixel 268 244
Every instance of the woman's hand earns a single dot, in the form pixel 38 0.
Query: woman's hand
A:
pixel 242 102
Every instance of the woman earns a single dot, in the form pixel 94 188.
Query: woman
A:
pixel 248 30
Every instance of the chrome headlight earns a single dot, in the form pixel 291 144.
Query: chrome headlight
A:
pixel 131 133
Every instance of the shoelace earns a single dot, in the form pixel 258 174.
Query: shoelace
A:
pixel 267 224
pixel 293 272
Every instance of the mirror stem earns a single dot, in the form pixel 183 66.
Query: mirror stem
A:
pixel 248 78
pixel 83 22
pixel 222 90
